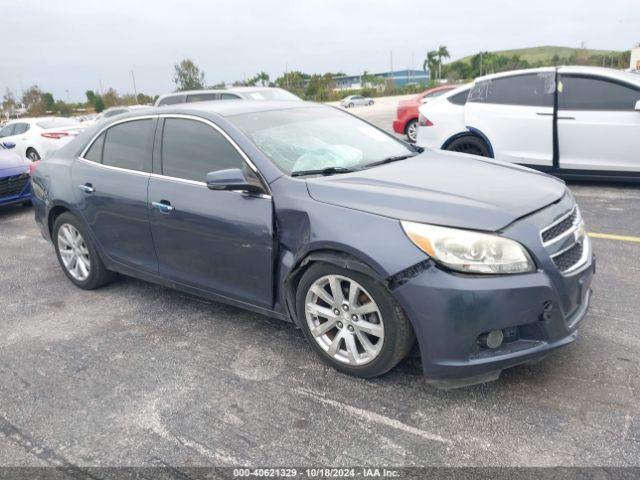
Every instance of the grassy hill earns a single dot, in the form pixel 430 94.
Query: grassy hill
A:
pixel 546 53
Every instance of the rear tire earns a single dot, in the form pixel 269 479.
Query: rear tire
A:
pixel 411 130
pixel 350 105
pixel 469 144
pixel 370 333
pixel 78 255
pixel 370 102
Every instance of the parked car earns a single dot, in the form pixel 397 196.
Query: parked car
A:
pixel 112 112
pixel 355 100
pixel 577 122
pixel 15 184
pixel 406 122
pixel 236 93
pixel 35 138
pixel 306 213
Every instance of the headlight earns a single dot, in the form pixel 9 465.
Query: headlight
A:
pixel 468 251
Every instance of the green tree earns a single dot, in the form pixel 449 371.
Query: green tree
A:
pixel 9 102
pixel 98 104
pixel 49 101
pixel 32 100
pixel 442 52
pixel 111 98
pixel 431 63
pixel 188 76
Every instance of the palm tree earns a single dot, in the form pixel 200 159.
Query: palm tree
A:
pixel 430 62
pixel 442 52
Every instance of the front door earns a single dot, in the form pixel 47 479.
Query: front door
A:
pixel 598 127
pixel 218 241
pixel 515 113
pixel 110 182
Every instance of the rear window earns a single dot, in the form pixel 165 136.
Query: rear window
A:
pixel 173 100
pixel 270 94
pixel 531 89
pixel 202 97
pixel 57 122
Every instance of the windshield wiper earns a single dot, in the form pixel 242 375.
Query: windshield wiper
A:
pixel 390 160
pixel 322 171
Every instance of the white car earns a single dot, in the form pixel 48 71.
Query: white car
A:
pixel 353 100
pixel 35 138
pixel 236 93
pixel 574 122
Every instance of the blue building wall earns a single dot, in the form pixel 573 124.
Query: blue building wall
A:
pixel 400 78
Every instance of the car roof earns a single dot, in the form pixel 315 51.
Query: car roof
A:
pixel 32 120
pixel 599 71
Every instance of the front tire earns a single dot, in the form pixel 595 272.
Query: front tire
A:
pixel 78 255
pixel 469 144
pixel 350 105
pixel 411 130
pixel 352 321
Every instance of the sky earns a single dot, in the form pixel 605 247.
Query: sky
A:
pixel 69 46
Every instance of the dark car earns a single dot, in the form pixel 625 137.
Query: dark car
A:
pixel 306 213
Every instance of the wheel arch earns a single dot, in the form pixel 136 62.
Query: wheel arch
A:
pixel 470 132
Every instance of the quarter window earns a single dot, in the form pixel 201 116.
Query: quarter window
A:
pixel 531 89
pixel 21 128
pixel 95 152
pixel 191 149
pixel 459 98
pixel 589 93
pixel 129 145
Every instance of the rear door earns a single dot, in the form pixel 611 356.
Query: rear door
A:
pixel 515 113
pixel 111 180
pixel 218 241
pixel 598 127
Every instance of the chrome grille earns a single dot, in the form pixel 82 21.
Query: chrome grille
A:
pixel 14 185
pixel 566 241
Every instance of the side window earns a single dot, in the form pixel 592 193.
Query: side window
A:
pixel 202 97
pixel 129 145
pixel 7 131
pixel 21 128
pixel 531 89
pixel 191 149
pixel 228 96
pixel 173 100
pixel 459 98
pixel 95 152
pixel 590 93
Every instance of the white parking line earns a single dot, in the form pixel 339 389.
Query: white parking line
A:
pixel 372 416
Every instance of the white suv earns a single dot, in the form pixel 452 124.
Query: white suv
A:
pixel 572 121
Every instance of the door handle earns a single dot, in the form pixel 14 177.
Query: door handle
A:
pixel 163 206
pixel 87 188
pixel 544 114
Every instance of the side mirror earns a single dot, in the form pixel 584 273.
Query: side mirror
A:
pixel 233 179
pixel 10 145
pixel 637 106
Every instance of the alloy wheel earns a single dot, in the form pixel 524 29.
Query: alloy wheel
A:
pixel 344 320
pixel 33 155
pixel 74 252
pixel 470 148
pixel 412 131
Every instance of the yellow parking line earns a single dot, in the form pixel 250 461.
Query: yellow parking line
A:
pixel 621 238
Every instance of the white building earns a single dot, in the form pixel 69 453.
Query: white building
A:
pixel 635 58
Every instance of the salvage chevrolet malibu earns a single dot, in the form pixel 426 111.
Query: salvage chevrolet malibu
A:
pixel 305 213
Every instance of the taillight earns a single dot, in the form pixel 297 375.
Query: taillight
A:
pixel 56 135
pixel 33 166
pixel 424 121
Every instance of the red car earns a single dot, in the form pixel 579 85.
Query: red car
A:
pixel 406 121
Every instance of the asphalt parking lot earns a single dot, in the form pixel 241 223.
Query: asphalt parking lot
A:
pixel 139 375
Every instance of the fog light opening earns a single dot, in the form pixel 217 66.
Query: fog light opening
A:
pixel 492 339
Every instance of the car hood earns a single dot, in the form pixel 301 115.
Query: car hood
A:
pixel 442 188
pixel 11 164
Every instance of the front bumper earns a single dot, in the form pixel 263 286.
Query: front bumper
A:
pixel 537 312
pixel 23 196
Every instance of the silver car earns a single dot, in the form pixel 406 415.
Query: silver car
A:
pixel 353 100
pixel 236 93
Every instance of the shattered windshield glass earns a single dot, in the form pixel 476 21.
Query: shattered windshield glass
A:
pixel 316 138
